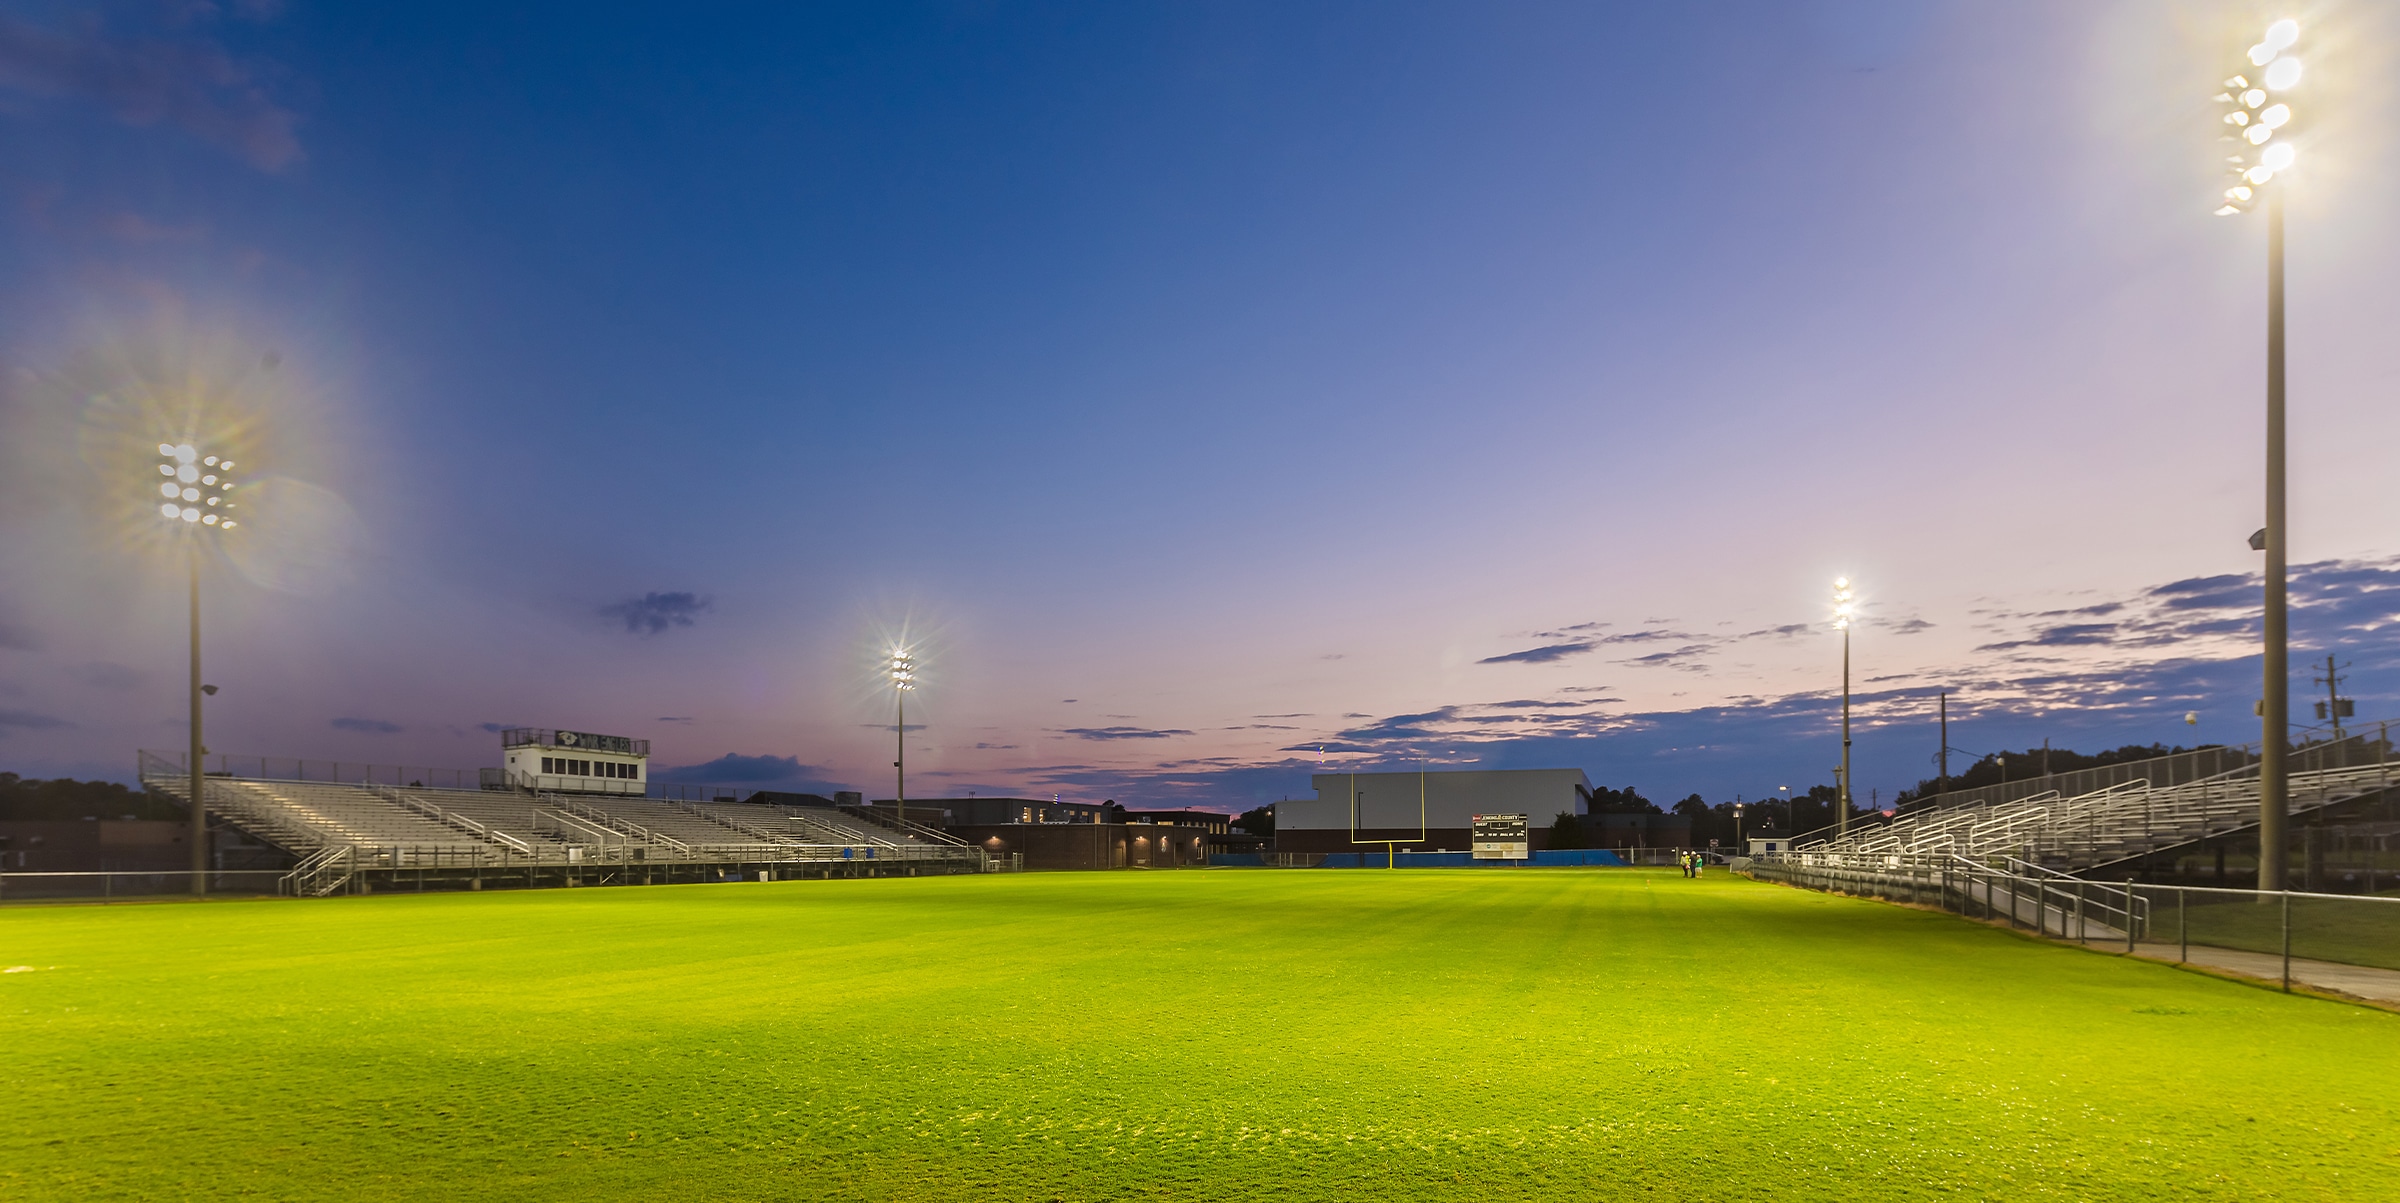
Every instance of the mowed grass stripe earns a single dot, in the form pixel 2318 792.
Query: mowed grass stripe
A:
pixel 1216 1034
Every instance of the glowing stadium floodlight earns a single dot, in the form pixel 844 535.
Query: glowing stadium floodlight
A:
pixel 2261 133
pixel 2257 124
pixel 194 493
pixel 1845 607
pixel 904 680
pixel 195 489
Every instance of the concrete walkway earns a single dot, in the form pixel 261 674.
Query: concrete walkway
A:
pixel 2358 981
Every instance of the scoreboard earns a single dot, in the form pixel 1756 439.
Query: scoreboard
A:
pixel 1500 837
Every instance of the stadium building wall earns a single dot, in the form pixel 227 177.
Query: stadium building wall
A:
pixel 1090 845
pixel 1387 807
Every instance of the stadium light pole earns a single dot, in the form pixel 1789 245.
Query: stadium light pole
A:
pixel 2263 131
pixel 904 678
pixel 1842 609
pixel 194 497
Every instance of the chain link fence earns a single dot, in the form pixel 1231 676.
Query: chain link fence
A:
pixel 2181 922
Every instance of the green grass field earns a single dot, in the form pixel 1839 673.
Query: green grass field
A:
pixel 1459 1034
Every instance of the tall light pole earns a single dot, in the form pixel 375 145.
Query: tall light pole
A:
pixel 194 493
pixel 2263 130
pixel 1843 607
pixel 904 678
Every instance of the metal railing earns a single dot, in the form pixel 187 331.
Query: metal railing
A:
pixel 292 768
pixel 452 819
pixel 903 826
pixel 594 814
pixel 2288 925
pixel 552 783
pixel 106 885
pixel 321 873
pixel 760 834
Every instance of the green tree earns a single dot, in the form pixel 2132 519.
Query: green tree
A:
pixel 1568 831
pixel 1606 801
pixel 1695 810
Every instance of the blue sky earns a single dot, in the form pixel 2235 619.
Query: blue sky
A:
pixel 1194 385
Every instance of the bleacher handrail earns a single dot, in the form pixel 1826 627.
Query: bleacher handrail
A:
pixel 451 818
pixel 697 811
pixel 627 826
pixel 903 826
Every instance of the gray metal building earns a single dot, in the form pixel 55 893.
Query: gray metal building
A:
pixel 1355 809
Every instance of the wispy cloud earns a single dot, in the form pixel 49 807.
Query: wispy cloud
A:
pixel 1544 654
pixel 2092 675
pixel 104 674
pixel 369 726
pixel 733 768
pixel 1687 653
pixel 177 80
pixel 1123 732
pixel 654 613
pixel 26 720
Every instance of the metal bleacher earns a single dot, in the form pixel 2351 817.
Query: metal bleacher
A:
pixel 822 824
pixel 2095 818
pixel 304 815
pixel 339 829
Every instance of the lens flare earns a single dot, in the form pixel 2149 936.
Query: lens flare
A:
pixel 146 418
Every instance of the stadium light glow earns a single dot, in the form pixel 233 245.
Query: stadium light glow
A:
pixel 2254 122
pixel 2268 128
pixel 196 496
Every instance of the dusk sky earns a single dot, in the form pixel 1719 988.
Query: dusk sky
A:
pixel 1192 385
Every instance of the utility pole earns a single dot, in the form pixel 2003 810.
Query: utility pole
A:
pixel 1944 787
pixel 2333 703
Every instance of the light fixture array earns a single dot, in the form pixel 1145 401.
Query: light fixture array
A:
pixel 2258 119
pixel 195 489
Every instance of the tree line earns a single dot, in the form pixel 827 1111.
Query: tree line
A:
pixel 66 800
